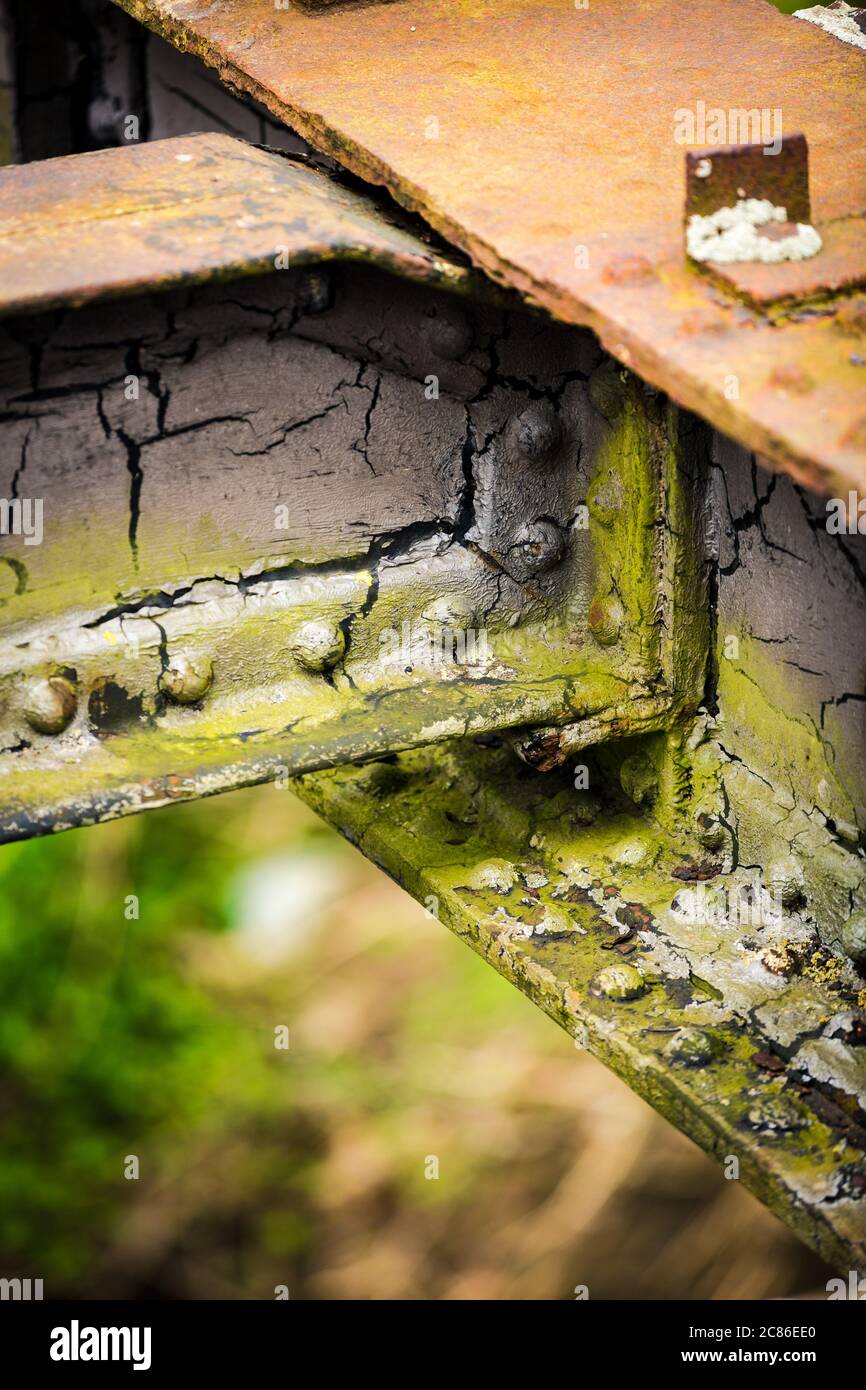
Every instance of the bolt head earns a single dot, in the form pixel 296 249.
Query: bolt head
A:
pixel 535 433
pixel 604 620
pixel 50 705
pixel 318 645
pixel 692 1047
pixel 186 678
pixel 619 982
pixel 539 546
pixel 854 938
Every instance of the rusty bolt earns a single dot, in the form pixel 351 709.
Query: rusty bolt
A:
pixel 318 645
pixel 186 678
pixel 540 545
pixel 535 433
pixel 605 620
pixel 785 881
pixel 692 1047
pixel 50 705
pixel 448 335
pixel 854 938
pixel 619 982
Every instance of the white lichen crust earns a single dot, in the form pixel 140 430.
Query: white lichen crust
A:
pixel 731 234
pixel 839 19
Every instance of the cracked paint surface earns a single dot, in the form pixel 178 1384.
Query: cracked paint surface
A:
pixel 306 393
pixel 502 181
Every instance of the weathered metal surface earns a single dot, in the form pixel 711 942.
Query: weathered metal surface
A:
pixel 717 178
pixel 667 979
pixel 843 21
pixel 542 139
pixel 182 211
pixel 296 484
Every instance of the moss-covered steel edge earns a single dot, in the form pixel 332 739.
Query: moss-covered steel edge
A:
pixel 648 955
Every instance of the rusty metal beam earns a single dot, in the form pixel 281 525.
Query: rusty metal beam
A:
pixel 542 139
pixel 662 979
pixel 246 472
pixel 183 211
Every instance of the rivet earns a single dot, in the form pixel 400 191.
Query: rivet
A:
pixel 709 830
pixel 317 292
pixel 448 335
pixel 608 391
pixel 854 938
pixel 318 645
pixel 536 432
pixel 619 982
pixel 497 875
pixel 776 1114
pixel 50 705
pixel 627 270
pixel 791 377
pixel 785 881
pixel 604 620
pixel 186 678
pixel 639 779
pixel 540 546
pixel 692 1047
pixel 452 611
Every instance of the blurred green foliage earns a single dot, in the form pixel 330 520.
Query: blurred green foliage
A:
pixel 108 1047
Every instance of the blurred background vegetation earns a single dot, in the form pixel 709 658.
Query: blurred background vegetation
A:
pixel 155 1036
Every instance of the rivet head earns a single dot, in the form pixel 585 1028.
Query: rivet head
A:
pixel 535 433
pixel 317 293
pixel 776 1114
pixel 619 982
pixel 538 547
pixel 605 620
pixel 449 334
pixel 453 611
pixel 50 705
pixel 186 678
pixel 692 1047
pixel 318 645
pixel 784 881
pixel 639 779
pixel 854 938
pixel 709 830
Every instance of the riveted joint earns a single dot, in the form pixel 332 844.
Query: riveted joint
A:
pixel 186 678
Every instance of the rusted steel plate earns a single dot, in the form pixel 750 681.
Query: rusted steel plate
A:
pixel 181 211
pixel 718 177
pixel 547 141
